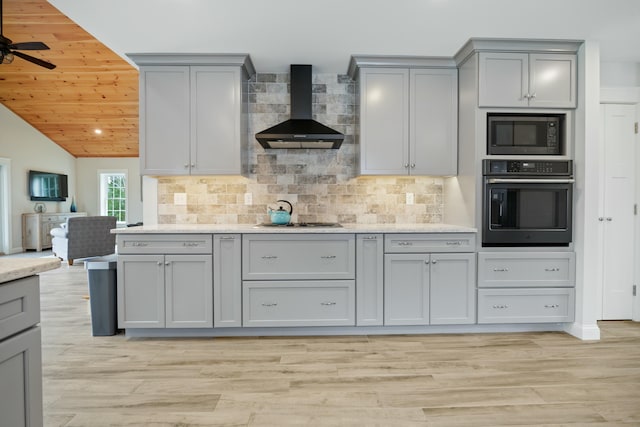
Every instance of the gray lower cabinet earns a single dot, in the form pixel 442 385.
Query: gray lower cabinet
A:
pixel 20 354
pixel 526 287
pixel 422 288
pixel 526 305
pixel 299 303
pixel 298 279
pixel 227 277
pixel 165 290
pixel 369 279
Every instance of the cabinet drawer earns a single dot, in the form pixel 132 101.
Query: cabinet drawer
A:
pixel 525 305
pixel 291 257
pixel 299 303
pixel 526 269
pixel 19 305
pixel 164 243
pixel 429 242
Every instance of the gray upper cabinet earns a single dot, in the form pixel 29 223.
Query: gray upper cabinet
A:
pixel 512 79
pixel 407 116
pixel 193 114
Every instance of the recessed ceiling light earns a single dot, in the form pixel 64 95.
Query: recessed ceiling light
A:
pixel 98 131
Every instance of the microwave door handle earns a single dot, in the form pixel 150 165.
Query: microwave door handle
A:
pixel 529 181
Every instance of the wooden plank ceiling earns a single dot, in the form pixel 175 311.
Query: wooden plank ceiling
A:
pixel 91 87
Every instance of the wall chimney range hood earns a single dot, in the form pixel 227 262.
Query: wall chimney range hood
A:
pixel 300 131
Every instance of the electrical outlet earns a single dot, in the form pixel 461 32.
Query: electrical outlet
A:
pixel 248 198
pixel 180 199
pixel 410 198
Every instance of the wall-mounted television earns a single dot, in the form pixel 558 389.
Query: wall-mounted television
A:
pixel 48 186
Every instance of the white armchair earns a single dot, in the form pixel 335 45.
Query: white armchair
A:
pixel 83 237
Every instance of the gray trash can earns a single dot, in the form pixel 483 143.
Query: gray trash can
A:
pixel 102 295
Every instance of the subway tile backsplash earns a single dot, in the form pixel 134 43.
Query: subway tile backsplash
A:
pixel 321 184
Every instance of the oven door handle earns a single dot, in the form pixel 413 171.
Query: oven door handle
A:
pixel 529 181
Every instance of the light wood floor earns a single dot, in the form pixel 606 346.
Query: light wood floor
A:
pixel 437 380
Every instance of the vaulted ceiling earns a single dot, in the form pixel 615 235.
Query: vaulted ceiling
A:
pixel 91 87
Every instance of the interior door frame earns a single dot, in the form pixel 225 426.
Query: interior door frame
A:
pixel 629 96
pixel 5 205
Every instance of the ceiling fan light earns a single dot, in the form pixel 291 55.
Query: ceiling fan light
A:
pixel 7 58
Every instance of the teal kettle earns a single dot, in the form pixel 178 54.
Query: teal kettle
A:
pixel 281 216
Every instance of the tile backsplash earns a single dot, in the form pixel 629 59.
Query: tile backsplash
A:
pixel 321 184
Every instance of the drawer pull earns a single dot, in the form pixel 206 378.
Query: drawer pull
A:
pixel 328 256
pixel 501 269
pixel 500 306
pixel 370 237
pixel 227 238
pixel 405 243
pixel 457 243
pixel 269 304
pixel 552 269
pixel 328 303
pixel 551 305
pixel 269 256
pixel 189 244
pixel 139 244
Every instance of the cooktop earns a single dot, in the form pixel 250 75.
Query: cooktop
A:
pixel 301 224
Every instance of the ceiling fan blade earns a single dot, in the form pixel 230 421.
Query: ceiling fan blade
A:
pixel 36 61
pixel 29 46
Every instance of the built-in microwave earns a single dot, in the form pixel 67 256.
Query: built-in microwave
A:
pixel 525 134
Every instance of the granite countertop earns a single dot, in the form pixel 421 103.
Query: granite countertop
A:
pixel 17 268
pixel 249 228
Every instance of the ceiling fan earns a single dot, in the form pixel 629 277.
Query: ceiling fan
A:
pixel 8 49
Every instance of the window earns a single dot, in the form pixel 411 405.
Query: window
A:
pixel 113 195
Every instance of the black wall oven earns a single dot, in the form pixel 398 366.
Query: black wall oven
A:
pixel 527 203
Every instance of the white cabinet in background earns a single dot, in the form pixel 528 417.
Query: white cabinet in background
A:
pixel 512 79
pixel 36 228
pixel 193 117
pixel 408 120
pixel 164 289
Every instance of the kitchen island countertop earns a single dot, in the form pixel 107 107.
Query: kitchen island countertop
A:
pixel 17 268
pixel 249 228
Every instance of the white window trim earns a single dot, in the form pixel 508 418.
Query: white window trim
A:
pixel 101 199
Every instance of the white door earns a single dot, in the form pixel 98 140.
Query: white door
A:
pixel 617 211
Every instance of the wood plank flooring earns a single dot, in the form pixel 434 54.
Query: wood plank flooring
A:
pixel 433 380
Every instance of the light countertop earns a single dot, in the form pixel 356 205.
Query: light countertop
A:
pixel 249 228
pixel 17 268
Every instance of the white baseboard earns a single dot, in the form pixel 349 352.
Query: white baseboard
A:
pixel 583 332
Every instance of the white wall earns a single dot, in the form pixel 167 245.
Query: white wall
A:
pixel 619 74
pixel 88 186
pixel 28 149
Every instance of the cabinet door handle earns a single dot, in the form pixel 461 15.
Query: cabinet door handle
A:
pixel 269 304
pixel 406 165
pixel 501 269
pixel 413 165
pixel 533 95
pixel 186 165
pixel 328 303
pixel 609 218
pixel 167 263
pixel 500 306
pixel 269 256
pixel 159 263
pixel 328 256
pixel 600 218
pixel 551 305
pixel 193 165
pixel 434 261
pixel 552 269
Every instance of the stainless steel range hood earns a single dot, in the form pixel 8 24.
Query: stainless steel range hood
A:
pixel 300 131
